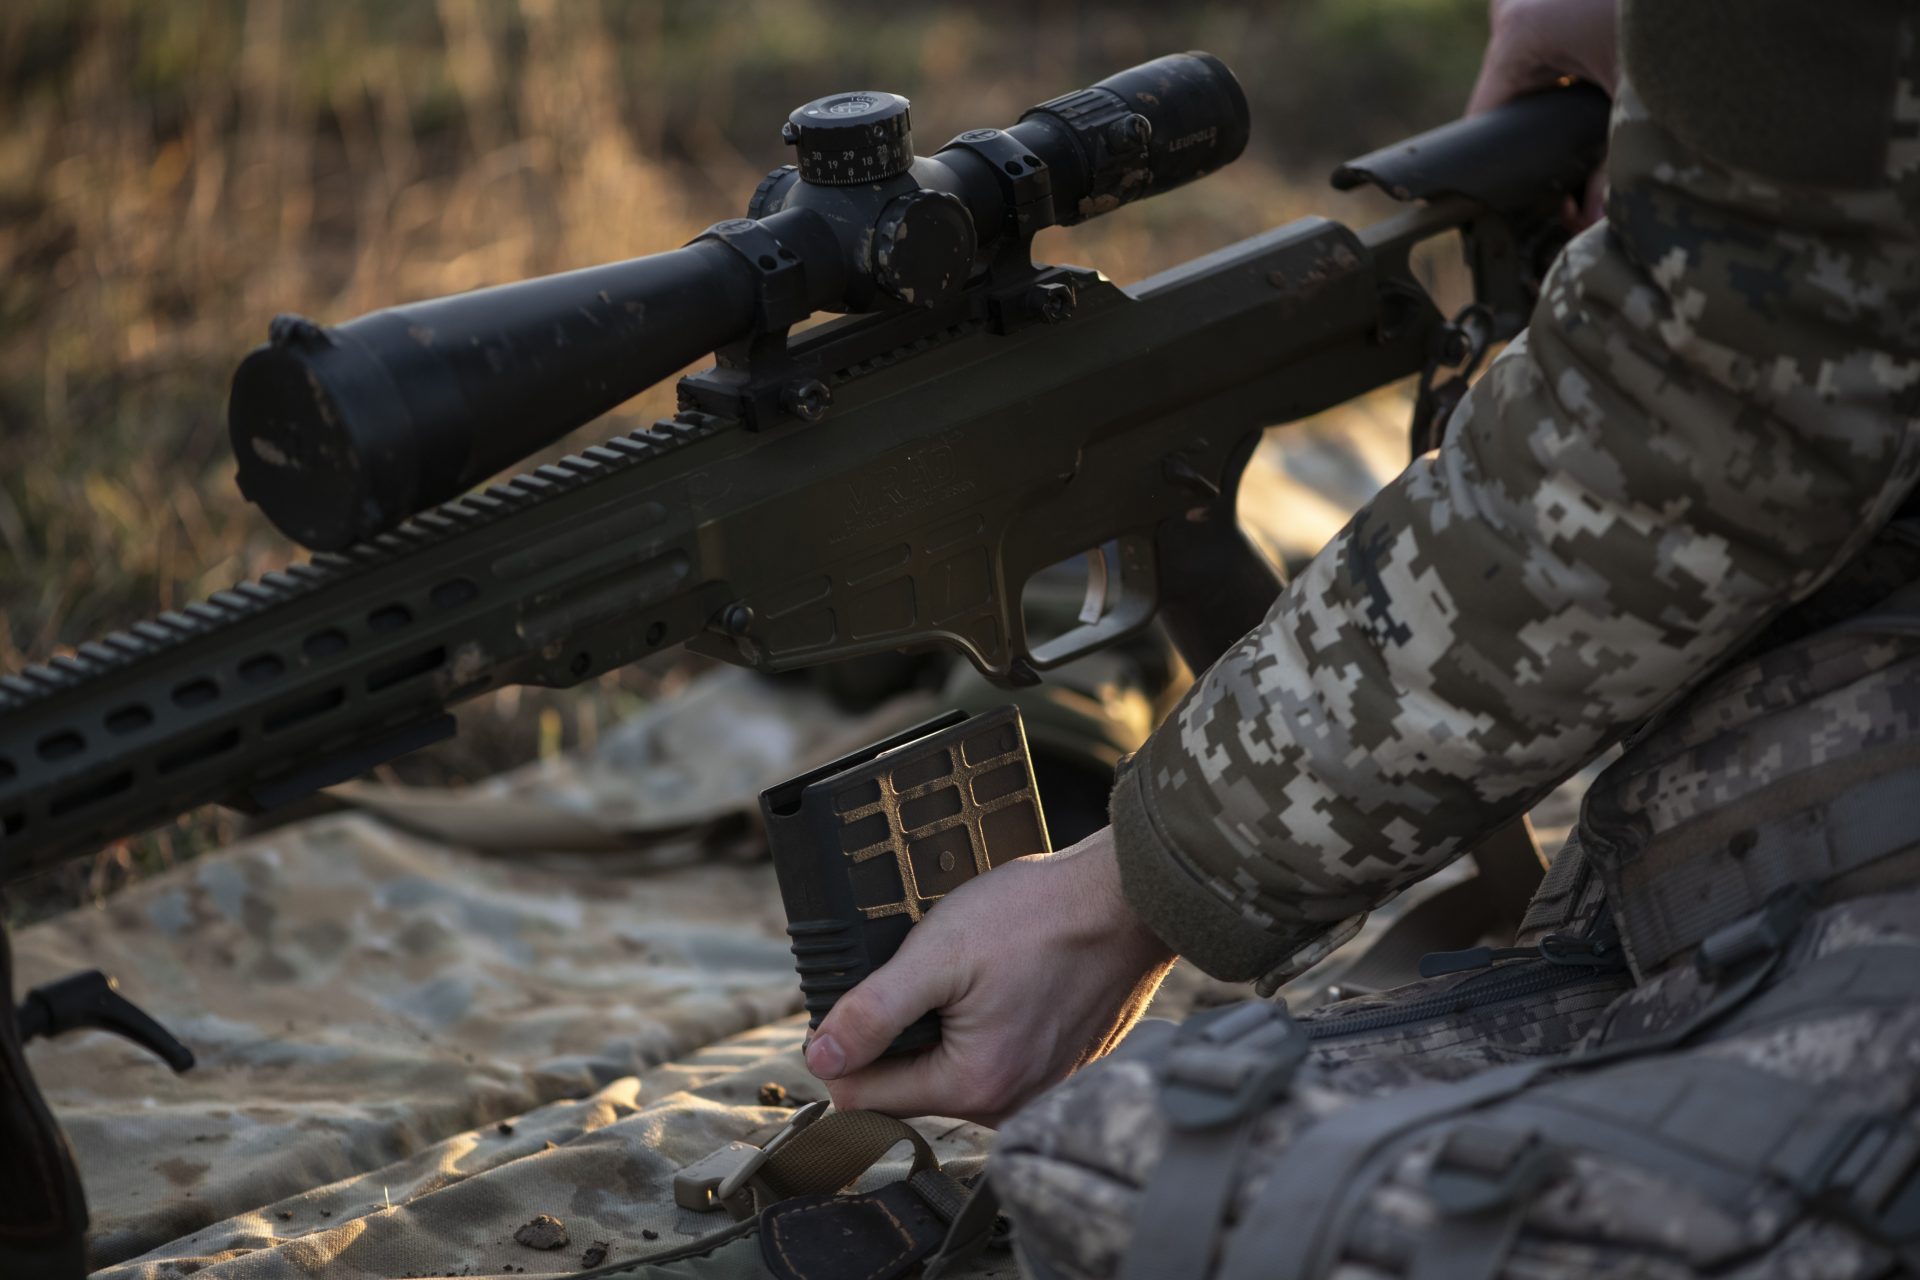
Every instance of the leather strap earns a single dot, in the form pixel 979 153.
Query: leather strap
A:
pixel 807 1232
pixel 785 1195
pixel 977 1225
pixel 875 1235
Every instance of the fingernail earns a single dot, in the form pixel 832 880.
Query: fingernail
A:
pixel 824 1058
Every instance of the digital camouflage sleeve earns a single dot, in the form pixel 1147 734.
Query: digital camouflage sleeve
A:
pixel 1714 407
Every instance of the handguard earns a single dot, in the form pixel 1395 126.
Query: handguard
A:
pixel 865 846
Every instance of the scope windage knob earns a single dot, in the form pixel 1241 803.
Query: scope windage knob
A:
pixel 923 247
pixel 848 138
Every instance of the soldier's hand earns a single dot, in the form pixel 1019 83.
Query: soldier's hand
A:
pixel 1036 969
pixel 1534 44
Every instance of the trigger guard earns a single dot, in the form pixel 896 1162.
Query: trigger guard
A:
pixel 1110 610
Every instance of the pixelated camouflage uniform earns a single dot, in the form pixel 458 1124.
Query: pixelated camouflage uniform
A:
pixel 1711 413
pixel 1678 507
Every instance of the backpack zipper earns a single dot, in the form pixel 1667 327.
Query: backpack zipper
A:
pixel 1561 960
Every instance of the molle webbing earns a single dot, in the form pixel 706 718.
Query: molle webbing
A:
pixel 1217 1072
pixel 1738 1135
pixel 1686 884
pixel 1799 766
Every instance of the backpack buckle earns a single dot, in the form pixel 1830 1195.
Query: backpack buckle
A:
pixel 1483 1166
pixel 697 1187
pixel 724 1179
pixel 1229 1062
pixel 1764 933
pixel 1869 1175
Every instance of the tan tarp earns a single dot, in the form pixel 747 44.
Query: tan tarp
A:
pixel 369 1005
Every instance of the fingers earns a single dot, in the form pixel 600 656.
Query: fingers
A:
pixel 863 1022
pixel 1534 43
pixel 1594 207
pixel 900 1086
pixel 937 1082
pixel 1503 78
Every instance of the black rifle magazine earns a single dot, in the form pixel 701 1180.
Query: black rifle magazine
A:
pixel 866 845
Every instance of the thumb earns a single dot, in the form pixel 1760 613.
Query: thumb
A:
pixel 1505 73
pixel 866 1019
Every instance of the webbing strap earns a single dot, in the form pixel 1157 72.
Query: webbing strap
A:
pixel 1712 1122
pixel 836 1149
pixel 1178 1217
pixel 1817 826
pixel 1729 1132
pixel 1466 1248
pixel 1303 1212
pixel 1718 1127
pixel 1480 1179
pixel 975 1226
pixel 1217 1072
pixel 1298 1215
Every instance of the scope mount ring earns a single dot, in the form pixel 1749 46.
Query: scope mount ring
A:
pixel 1026 186
pixel 782 274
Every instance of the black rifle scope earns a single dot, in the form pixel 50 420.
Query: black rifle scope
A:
pixel 342 432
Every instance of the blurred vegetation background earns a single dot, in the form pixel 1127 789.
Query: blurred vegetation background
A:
pixel 173 174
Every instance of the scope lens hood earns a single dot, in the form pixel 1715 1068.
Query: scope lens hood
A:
pixel 321 436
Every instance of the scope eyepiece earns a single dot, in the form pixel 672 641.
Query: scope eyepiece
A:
pixel 1149 129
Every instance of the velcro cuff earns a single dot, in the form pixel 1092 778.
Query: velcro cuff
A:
pixel 1167 893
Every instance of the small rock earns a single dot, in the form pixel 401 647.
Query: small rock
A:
pixel 544 1232
pixel 648 1233
pixel 773 1094
pixel 595 1255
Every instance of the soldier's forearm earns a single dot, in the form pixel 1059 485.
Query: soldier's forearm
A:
pixel 1635 488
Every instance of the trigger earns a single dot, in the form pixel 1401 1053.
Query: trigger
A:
pixel 1093 606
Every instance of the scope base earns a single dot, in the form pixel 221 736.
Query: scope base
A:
pixel 765 380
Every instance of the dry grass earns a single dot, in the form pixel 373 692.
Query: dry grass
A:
pixel 172 175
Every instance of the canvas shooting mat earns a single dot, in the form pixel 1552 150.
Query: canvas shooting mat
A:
pixel 477 1032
